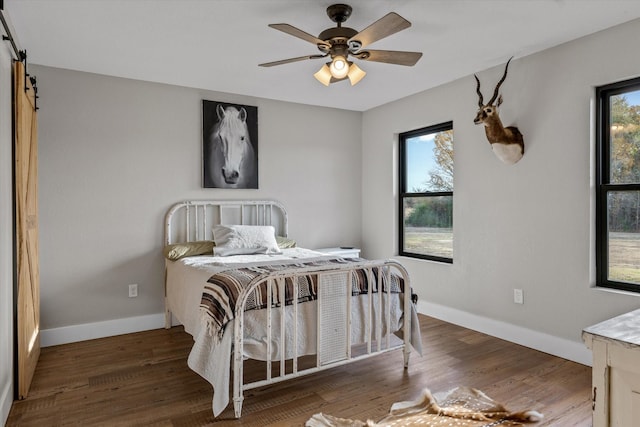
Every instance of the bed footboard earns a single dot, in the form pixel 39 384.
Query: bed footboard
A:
pixel 335 321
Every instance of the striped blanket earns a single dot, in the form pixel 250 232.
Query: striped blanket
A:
pixel 223 290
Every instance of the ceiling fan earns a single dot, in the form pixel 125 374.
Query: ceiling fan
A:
pixel 339 43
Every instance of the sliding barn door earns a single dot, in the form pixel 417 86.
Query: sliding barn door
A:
pixel 26 201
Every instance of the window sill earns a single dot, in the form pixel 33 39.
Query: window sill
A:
pixel 615 291
pixel 433 261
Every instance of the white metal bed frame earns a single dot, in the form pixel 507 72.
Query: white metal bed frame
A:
pixel 334 347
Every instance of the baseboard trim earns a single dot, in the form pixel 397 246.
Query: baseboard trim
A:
pixel 5 402
pixel 546 343
pixel 107 328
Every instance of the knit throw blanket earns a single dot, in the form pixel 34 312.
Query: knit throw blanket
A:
pixel 462 406
pixel 222 291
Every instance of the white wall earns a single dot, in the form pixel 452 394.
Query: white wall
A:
pixel 6 234
pixel 527 226
pixel 116 153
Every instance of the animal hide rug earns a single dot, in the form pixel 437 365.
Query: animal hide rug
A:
pixel 462 406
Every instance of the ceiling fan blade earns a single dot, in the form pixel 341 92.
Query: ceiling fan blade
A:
pixel 296 32
pixel 287 61
pixel 391 56
pixel 383 27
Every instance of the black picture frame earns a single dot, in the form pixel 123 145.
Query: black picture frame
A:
pixel 229 145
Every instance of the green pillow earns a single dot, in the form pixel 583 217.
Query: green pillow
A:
pixel 205 247
pixel 181 250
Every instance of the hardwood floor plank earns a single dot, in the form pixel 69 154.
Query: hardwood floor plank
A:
pixel 143 379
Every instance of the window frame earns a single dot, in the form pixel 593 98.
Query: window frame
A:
pixel 603 181
pixel 403 193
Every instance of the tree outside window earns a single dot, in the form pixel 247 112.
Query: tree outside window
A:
pixel 426 193
pixel 618 186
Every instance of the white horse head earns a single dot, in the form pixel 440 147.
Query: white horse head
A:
pixel 231 136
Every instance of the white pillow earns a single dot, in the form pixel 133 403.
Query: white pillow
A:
pixel 244 239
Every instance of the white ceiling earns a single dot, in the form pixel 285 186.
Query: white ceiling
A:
pixel 218 44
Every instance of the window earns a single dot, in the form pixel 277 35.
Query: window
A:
pixel 618 186
pixel 426 193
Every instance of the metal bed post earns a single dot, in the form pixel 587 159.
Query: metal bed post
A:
pixel 269 327
pixel 369 323
pixel 282 301
pixel 349 278
pixel 295 327
pixel 407 314
pixel 238 395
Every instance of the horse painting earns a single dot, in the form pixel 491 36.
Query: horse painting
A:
pixel 230 159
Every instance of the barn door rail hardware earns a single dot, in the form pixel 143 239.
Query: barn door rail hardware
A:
pixel 7 36
pixel 20 55
pixel 32 79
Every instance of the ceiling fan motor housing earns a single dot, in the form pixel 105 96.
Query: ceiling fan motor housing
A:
pixel 337 37
pixel 339 13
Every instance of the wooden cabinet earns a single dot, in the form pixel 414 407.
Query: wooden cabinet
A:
pixel 343 252
pixel 616 370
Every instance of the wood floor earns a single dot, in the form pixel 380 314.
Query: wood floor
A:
pixel 143 379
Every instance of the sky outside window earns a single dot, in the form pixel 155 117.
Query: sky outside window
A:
pixel 420 161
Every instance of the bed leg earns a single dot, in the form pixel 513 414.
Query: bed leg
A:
pixel 238 395
pixel 407 353
pixel 237 406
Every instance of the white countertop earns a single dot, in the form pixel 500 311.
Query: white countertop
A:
pixel 624 328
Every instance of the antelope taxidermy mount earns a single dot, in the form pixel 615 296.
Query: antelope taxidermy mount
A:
pixel 506 142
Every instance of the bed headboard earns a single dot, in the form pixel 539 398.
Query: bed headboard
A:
pixel 194 219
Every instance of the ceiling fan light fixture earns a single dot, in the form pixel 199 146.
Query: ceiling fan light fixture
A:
pixel 355 74
pixel 339 67
pixel 324 75
pixel 340 42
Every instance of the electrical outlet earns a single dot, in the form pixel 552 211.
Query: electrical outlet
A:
pixel 133 290
pixel 518 296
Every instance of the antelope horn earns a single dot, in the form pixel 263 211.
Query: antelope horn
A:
pixel 480 104
pixel 495 92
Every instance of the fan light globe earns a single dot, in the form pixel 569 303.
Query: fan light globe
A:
pixel 339 67
pixel 355 74
pixel 323 75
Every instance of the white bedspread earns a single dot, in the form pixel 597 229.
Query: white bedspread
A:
pixel 210 357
